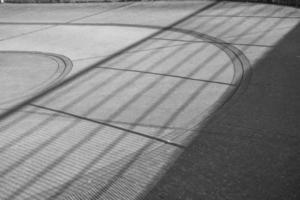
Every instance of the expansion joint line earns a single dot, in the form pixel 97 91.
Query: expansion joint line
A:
pixel 110 125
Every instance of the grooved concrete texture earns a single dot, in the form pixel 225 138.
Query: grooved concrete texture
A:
pixel 148 79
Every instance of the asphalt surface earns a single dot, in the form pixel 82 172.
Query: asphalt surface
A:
pixel 149 100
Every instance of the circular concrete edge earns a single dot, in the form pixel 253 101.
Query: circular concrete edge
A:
pixel 64 65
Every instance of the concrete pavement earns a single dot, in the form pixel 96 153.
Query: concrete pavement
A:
pixel 143 80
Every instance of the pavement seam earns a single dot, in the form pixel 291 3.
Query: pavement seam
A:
pixel 109 125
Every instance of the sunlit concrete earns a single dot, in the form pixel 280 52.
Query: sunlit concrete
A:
pixel 121 115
